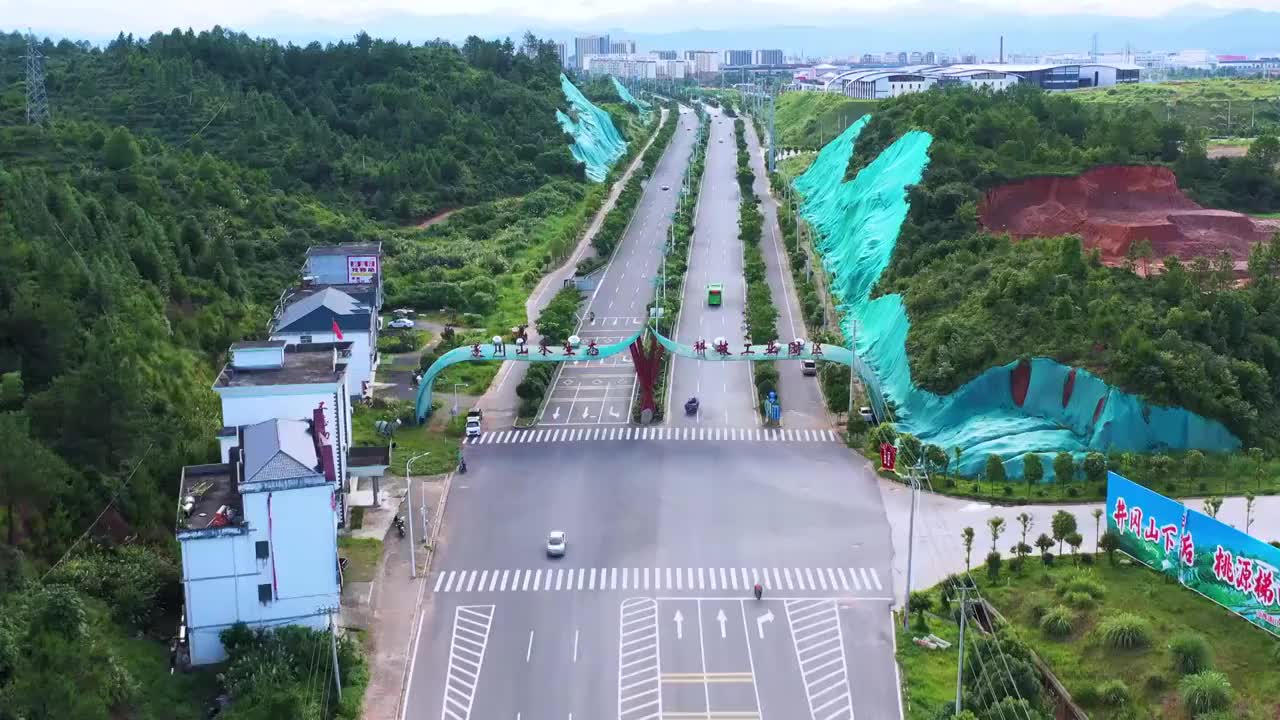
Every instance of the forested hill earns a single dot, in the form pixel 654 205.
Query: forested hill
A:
pixel 406 131
pixel 154 222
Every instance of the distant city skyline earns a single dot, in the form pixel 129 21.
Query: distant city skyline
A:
pixel 144 16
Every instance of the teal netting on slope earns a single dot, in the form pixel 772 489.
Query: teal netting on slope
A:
pixel 857 224
pixel 596 142
pixel 630 99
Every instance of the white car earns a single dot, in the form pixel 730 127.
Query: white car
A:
pixel 556 543
pixel 473 427
pixel 401 323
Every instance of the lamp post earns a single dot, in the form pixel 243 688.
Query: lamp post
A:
pixel 455 395
pixel 413 561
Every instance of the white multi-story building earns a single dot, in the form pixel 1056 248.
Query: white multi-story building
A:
pixel 268 379
pixel 259 536
pixel 326 315
pixel 769 57
pixel 631 67
pixel 622 47
pixel 703 62
pixel 590 45
pixel 353 268
pixel 562 52
pixel 672 69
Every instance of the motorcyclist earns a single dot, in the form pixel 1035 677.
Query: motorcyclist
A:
pixel 758 591
pixel 591 316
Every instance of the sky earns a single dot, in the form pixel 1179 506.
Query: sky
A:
pixel 95 17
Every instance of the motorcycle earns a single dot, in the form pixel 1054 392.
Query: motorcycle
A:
pixel 759 591
pixel 462 467
pixel 399 523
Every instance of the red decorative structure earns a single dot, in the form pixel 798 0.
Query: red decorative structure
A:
pixel 568 348
pixel 772 348
pixel 747 349
pixel 592 349
pixel 647 361
pixel 794 348
pixel 1020 381
pixel 700 347
pixel 475 351
pixel 722 347
pixel 543 348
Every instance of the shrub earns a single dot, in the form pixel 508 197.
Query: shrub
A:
pixel 1080 600
pixel 1082 582
pixel 1125 631
pixel 1087 695
pixel 1007 489
pixel 993 566
pixel 1038 609
pixel 1058 621
pixel 1073 491
pixel 1191 653
pixel 1113 693
pixel 1087 558
pixel 1205 692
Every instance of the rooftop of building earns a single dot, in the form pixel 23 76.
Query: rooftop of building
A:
pixel 304 364
pixel 257 344
pixel 374 248
pixel 279 449
pixel 368 456
pixel 203 491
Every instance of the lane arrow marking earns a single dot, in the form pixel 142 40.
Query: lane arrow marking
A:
pixel 584 413
pixel 679 618
pixel 720 618
pixel 613 412
pixel 767 617
pixel 556 415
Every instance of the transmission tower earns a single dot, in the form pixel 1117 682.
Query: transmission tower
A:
pixel 37 101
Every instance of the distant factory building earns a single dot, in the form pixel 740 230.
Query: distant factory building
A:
pixel 737 57
pixel 892 82
pixel 631 67
pixel 769 57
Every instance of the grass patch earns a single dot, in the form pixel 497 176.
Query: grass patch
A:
pixel 161 696
pixel 410 439
pixel 362 556
pixel 928 676
pixel 1084 662
pixel 808 120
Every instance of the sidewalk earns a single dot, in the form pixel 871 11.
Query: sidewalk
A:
pixel 499 402
pixel 939 550
pixel 387 609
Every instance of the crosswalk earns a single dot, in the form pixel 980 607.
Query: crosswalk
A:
pixel 686 434
pixel 859 580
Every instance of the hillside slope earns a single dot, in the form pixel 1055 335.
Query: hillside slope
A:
pixel 1188 338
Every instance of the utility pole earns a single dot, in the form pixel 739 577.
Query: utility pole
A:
pixel 413 561
pixel 37 100
pixel 911 542
pixel 964 615
pixel 333 645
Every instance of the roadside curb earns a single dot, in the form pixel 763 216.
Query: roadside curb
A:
pixel 412 642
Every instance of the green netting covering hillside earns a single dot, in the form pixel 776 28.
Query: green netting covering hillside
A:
pixel 1038 406
pixel 596 142
pixel 630 99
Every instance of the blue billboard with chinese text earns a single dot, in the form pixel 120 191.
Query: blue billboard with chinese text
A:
pixel 1229 567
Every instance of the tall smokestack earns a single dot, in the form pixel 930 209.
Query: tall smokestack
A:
pixel 1001 49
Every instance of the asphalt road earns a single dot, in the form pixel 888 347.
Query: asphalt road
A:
pixel 600 392
pixel 724 390
pixel 801 396
pixel 650 612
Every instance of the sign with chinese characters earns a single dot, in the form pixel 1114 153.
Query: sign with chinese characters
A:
pixel 1229 567
pixel 888 456
pixel 362 269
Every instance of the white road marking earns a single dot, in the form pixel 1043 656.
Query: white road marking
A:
pixel 528 653
pixel 471 625
pixel 575 646
pixel 639 682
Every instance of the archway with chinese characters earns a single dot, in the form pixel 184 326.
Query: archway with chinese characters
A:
pixel 646 347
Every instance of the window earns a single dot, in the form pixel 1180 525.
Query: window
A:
pixel 264 593
pixel 304 339
pixel 262 549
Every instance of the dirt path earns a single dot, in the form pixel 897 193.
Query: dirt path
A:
pixel 437 218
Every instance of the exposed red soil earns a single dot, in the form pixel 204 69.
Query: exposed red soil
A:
pixel 437 218
pixel 1020 381
pixel 1114 206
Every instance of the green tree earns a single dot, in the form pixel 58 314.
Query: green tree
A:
pixel 993 563
pixel 966 536
pixel 10 390
pixel 1264 151
pixel 1064 467
pixel 1044 542
pixel 1259 462
pixel 121 150
pixel 937 458
pixel 957 451
pixel 995 470
pixel 996 525
pixel 921 603
pixel 1075 540
pixel 1097 525
pixel 1212 505
pixel 1027 522
pixel 1063 524
pixel 1032 471
pixel 1095 467
pixel 30 475
pixel 1110 542
pixel 1193 463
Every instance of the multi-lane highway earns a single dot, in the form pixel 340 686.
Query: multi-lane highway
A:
pixel 599 392
pixel 650 614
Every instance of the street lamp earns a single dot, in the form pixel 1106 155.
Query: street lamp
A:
pixel 455 395
pixel 413 562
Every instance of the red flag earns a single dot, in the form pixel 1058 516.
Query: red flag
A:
pixel 337 330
